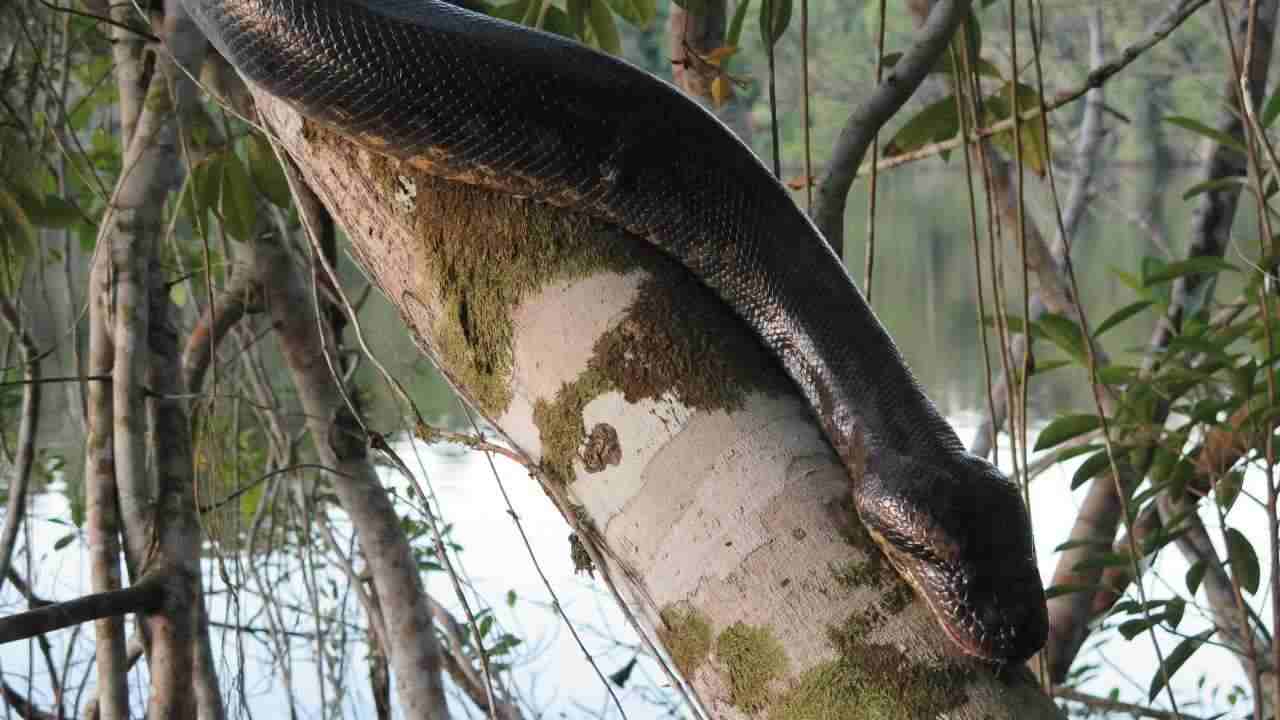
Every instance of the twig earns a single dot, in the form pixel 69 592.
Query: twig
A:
pixel 1109 705
pixel 1095 79
pixel 861 127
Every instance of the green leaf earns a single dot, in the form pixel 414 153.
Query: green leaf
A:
pixel 1192 266
pixel 1117 374
pixel 1064 428
pixel 604 30
pixel 1120 316
pixel 1270 110
pixel 513 12
pixel 267 174
pixel 735 26
pixel 1195 574
pixel 558 21
pixel 937 121
pixel 775 16
pixel 1065 334
pixel 1175 660
pixel 985 67
pixel 53 212
pixel 637 12
pixel 577 11
pixel 1201 129
pixel 1227 490
pixel 64 541
pixel 239 212
pixel 1088 469
pixel 1049 366
pixel 1244 561
pixel 1131 629
pixel 1212 185
pixel 1035 149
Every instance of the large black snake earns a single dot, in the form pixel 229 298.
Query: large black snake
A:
pixel 488 102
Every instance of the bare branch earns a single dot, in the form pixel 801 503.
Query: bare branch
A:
pixel 145 596
pixel 25 454
pixel 861 127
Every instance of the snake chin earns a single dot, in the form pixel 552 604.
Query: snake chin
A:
pixel 950 529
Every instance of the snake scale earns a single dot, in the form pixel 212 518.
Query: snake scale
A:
pixel 483 101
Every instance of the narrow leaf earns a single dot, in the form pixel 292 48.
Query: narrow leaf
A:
pixel 638 13
pixel 1065 334
pixel 603 28
pixel 1175 660
pixel 267 174
pixel 1120 316
pixel 1203 130
pixel 1088 469
pixel 1270 110
pixel 735 25
pixel 1244 561
pixel 1200 265
pixel 935 122
pixel 1064 428
pixel 775 16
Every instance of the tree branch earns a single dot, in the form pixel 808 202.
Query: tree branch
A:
pixel 145 596
pixel 1159 30
pixel 25 454
pixel 861 127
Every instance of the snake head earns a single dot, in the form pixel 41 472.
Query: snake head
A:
pixel 959 533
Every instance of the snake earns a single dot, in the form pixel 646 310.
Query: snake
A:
pixel 475 99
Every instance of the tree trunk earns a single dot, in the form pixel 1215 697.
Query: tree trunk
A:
pixel 341 444
pixel 667 438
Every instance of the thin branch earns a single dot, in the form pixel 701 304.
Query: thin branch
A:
pixel 25 454
pixel 1109 705
pixel 143 597
pixel 1095 79
pixel 102 19
pixel 860 129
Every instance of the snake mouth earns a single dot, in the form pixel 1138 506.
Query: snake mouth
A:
pixel 960 539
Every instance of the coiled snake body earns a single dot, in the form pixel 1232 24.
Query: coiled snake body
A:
pixel 488 102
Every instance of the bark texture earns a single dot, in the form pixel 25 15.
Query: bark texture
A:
pixel 667 438
pixel 341 444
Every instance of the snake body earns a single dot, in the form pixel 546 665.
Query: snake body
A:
pixel 483 101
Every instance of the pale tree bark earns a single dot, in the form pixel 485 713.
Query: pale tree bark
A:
pixel 120 326
pixel 667 438
pixel 339 440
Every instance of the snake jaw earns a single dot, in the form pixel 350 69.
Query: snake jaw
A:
pixel 958 533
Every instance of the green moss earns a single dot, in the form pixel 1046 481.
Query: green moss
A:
pixel 686 635
pixel 834 690
pixel 898 597
pixel 560 423
pixel 753 659
pixel 871 681
pixel 869 573
pixel 485 253
pixel 674 339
